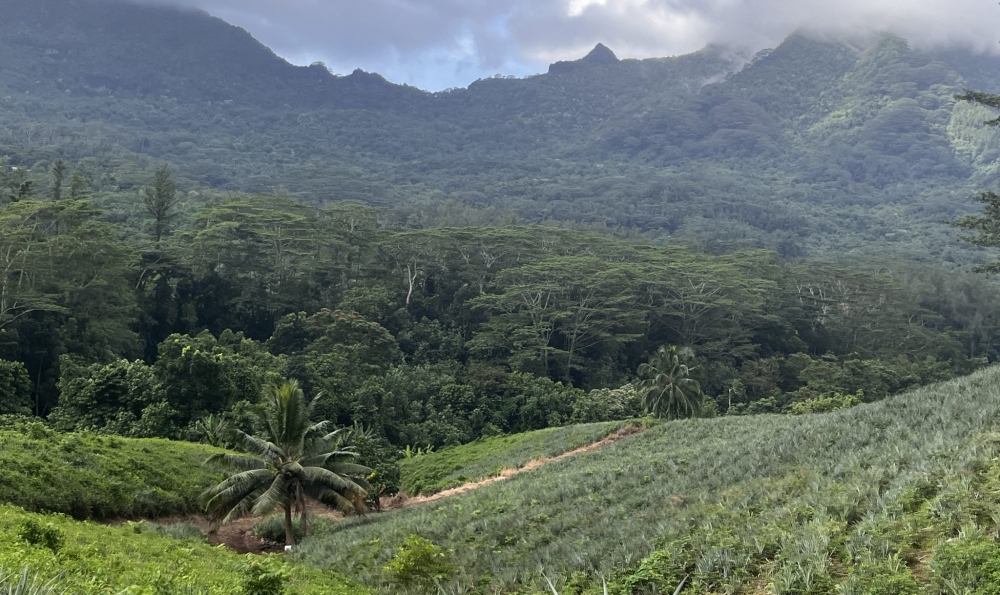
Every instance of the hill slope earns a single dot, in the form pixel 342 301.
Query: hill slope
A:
pixel 102 477
pixel 900 492
pixel 97 560
pixel 815 147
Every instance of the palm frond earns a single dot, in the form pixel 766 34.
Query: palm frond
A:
pixel 276 496
pixel 330 498
pixel 236 487
pixel 253 445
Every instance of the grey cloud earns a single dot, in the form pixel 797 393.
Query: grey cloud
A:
pixel 438 43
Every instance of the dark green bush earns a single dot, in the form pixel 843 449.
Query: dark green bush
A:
pixel 48 535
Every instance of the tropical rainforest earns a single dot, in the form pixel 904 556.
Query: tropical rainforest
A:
pixel 237 286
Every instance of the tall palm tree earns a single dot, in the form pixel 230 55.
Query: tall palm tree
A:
pixel 667 387
pixel 295 462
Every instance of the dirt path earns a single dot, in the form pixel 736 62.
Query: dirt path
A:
pixel 507 473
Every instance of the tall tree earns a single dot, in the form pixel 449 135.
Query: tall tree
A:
pixel 58 175
pixel 79 186
pixel 160 199
pixel 667 387
pixel 296 461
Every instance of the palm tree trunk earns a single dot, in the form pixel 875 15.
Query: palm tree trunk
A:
pixel 304 507
pixel 289 532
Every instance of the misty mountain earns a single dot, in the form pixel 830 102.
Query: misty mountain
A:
pixel 816 146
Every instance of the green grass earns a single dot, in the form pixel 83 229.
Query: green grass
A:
pixel 100 477
pixel 882 498
pixel 100 560
pixel 450 467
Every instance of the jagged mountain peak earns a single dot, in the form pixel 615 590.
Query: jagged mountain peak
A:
pixel 601 55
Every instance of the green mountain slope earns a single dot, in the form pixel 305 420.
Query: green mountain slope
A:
pixel 816 147
pixel 901 494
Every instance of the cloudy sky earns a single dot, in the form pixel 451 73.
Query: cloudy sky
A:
pixel 435 44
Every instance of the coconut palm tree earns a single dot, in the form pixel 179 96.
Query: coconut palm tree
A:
pixel 295 462
pixel 667 387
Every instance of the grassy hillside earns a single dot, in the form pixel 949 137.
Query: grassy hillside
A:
pixel 89 559
pixel 429 473
pixel 89 476
pixel 893 497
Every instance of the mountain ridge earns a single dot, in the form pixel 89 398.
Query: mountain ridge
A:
pixel 778 150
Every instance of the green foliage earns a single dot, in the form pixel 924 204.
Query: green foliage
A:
pixel 835 402
pixel 204 375
pixel 263 576
pixel 34 532
pixel 449 467
pixel 98 559
pixel 25 584
pixel 607 405
pixel 970 565
pixel 667 386
pixel 420 564
pixel 110 399
pixel 272 528
pixel 90 476
pixel 15 388
pixel 297 461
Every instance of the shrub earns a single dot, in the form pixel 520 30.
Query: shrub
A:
pixel 419 563
pixel 968 566
pixel 263 576
pixel 48 535
pixel 272 528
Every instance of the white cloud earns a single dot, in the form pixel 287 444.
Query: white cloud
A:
pixel 441 43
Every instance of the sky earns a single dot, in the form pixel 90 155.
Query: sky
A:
pixel 437 44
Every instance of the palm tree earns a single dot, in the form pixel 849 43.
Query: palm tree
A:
pixel 667 387
pixel 295 462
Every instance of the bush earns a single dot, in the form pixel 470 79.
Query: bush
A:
pixel 263 576
pixel 47 535
pixel 15 388
pixel 968 566
pixel 272 528
pixel 419 563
